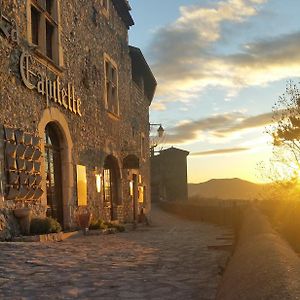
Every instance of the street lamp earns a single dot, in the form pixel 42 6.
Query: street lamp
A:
pixel 160 130
pixel 160 134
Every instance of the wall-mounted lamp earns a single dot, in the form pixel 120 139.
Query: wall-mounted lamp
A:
pixel 160 130
pixel 158 139
pixel 131 188
pixel 98 182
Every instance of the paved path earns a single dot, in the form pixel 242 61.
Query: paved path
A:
pixel 168 260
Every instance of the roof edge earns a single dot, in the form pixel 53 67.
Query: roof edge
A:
pixel 123 9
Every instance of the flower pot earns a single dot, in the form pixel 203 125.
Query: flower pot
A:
pixel 84 217
pixel 23 215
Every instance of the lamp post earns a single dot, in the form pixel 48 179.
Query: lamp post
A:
pixel 160 134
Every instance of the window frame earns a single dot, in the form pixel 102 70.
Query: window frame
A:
pixel 48 19
pixel 110 84
pixel 107 185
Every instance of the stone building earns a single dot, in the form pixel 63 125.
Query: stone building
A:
pixel 169 175
pixel 74 100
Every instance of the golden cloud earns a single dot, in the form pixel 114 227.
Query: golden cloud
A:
pixel 185 62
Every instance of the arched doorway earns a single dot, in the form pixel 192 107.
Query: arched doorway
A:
pixel 131 163
pixel 111 183
pixel 55 117
pixel 53 169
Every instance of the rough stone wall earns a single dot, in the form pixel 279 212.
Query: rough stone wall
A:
pixel 86 34
pixel 2 174
pixel 138 115
pixel 169 175
pixel 8 225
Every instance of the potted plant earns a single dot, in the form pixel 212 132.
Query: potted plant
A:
pixel 23 212
pixel 84 217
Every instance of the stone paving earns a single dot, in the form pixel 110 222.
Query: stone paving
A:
pixel 167 260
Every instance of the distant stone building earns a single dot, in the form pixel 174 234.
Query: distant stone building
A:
pixel 169 175
pixel 74 100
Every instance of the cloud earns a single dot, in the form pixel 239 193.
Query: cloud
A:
pixel 158 106
pixel 250 122
pixel 185 59
pixel 219 126
pixel 220 151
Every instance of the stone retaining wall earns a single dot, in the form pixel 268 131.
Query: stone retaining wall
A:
pixel 221 215
pixel 263 265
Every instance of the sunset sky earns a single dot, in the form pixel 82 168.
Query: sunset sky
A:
pixel 220 66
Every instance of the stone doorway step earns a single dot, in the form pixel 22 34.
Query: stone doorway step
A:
pixel 43 238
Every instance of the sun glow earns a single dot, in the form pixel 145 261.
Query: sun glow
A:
pixel 288 172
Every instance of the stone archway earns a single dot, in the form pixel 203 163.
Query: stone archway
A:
pixel 131 161
pixel 55 117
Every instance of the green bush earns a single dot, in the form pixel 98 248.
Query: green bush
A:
pixel 44 226
pixel 109 225
pixel 100 224
pixel 97 224
pixel 120 228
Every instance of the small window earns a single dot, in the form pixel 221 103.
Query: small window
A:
pixel 44 28
pixel 49 6
pixel 143 146
pixel 111 86
pixel 49 40
pixel 107 185
pixel 35 20
pixel 133 131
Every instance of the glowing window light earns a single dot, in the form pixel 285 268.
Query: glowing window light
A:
pixel 98 183
pixel 131 188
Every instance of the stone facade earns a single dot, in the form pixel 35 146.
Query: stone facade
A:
pixel 88 133
pixel 169 175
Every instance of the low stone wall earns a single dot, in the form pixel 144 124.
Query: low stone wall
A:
pixel 263 265
pixel 221 215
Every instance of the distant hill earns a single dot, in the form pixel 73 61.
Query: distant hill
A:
pixel 226 189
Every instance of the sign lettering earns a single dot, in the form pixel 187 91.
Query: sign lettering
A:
pixel 52 90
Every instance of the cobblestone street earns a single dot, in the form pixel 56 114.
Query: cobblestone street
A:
pixel 167 260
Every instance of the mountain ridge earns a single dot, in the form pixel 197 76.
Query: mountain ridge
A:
pixel 226 188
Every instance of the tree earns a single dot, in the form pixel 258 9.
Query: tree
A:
pixel 285 164
pixel 286 126
pixel 283 169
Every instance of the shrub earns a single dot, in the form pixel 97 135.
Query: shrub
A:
pixel 120 228
pixel 100 224
pixel 97 224
pixel 44 226
pixel 109 225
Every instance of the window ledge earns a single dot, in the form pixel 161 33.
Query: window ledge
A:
pixel 46 61
pixel 113 115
